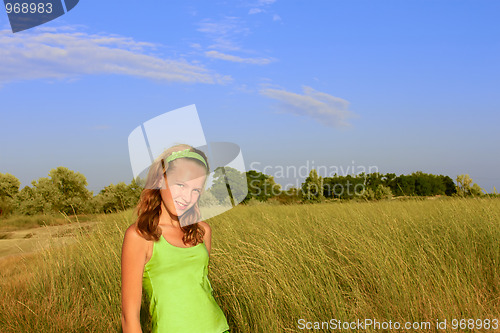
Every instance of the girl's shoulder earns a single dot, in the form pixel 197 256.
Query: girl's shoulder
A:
pixel 205 226
pixel 133 234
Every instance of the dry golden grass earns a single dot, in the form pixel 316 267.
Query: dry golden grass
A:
pixel 414 260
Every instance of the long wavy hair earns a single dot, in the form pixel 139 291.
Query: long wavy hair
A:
pixel 149 207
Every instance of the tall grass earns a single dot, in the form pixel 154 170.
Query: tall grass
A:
pixel 270 266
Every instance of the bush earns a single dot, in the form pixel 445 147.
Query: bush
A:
pixel 254 202
pixel 382 192
pixel 368 194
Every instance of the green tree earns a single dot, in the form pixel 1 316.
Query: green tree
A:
pixel 389 180
pixel 477 191
pixel 38 199
pixel 63 191
pixel 229 180
pixel 9 188
pixel 423 185
pixel 466 187
pixel 136 186
pixel 405 185
pixel 345 187
pixel 114 198
pixel 25 201
pixel 449 185
pixel 71 193
pixel 261 186
pixel 312 188
pixel 373 180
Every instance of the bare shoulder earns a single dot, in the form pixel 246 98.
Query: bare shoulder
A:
pixel 133 237
pixel 207 237
pixel 205 227
pixel 208 231
pixel 135 249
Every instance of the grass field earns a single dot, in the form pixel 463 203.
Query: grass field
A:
pixel 271 266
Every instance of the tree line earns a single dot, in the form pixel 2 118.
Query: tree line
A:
pixel 66 191
pixel 372 186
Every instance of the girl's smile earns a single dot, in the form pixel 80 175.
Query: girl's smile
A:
pixel 180 206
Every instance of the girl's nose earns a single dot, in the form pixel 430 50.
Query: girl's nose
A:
pixel 186 196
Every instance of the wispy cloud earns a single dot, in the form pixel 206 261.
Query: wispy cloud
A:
pixel 260 6
pixel 233 58
pixel 225 36
pixel 225 33
pixel 324 108
pixel 67 53
pixel 255 11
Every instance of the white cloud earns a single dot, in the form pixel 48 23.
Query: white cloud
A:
pixel 233 58
pixel 262 6
pixel 66 53
pixel 255 11
pixel 225 34
pixel 324 108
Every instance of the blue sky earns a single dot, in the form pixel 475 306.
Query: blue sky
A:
pixel 397 85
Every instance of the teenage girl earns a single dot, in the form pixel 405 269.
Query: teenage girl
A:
pixel 166 251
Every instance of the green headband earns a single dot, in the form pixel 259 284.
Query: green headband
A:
pixel 185 153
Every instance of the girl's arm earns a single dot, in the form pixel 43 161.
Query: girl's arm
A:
pixel 133 259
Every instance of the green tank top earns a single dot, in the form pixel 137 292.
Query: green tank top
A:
pixel 176 282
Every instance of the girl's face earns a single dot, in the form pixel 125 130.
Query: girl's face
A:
pixel 185 183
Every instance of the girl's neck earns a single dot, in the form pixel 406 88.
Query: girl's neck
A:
pixel 168 219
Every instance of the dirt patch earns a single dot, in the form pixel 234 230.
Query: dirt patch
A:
pixel 22 242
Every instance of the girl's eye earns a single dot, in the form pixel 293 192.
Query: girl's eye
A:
pixel 181 185
pixel 198 190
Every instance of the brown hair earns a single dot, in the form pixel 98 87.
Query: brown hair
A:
pixel 149 207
